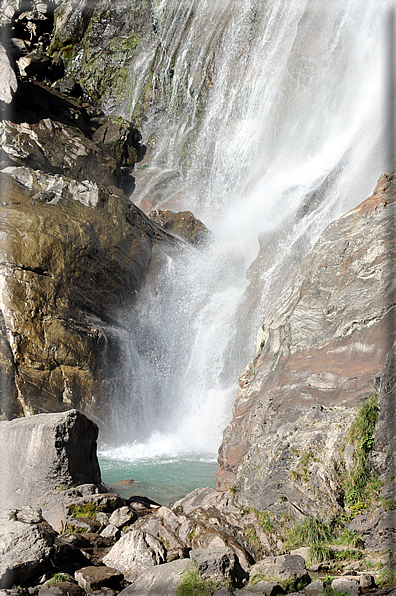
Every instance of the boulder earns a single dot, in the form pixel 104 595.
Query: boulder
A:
pixel 288 569
pixel 8 80
pixel 45 453
pixel 122 517
pixel 134 553
pixel 25 547
pixel 219 565
pixel 349 586
pixel 161 580
pixel 120 139
pixel 182 224
pixel 94 578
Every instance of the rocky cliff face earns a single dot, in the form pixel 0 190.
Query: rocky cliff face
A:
pixel 319 352
pixel 74 251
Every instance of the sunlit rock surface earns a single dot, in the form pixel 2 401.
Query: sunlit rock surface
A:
pixel 43 455
pixel 319 351
pixel 74 251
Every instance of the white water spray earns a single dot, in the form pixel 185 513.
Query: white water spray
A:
pixel 272 113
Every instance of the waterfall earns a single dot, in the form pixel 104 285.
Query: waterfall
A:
pixel 268 123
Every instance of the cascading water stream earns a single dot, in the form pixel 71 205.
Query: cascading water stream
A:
pixel 272 116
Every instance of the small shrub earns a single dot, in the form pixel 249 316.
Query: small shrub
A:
pixel 313 530
pixel 359 484
pixel 319 552
pixel 351 539
pixel 265 522
pixel 192 585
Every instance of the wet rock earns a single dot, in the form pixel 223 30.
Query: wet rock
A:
pixel 94 578
pixel 134 553
pixel 182 224
pixel 298 394
pixel 121 140
pixel 44 454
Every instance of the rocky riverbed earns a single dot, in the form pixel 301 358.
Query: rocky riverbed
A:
pixel 63 533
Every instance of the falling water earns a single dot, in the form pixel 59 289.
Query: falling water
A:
pixel 269 124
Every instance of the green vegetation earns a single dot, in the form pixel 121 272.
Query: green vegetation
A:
pixel 289 585
pixel 265 522
pixel 388 504
pixel 57 578
pixel 387 576
pixel 350 538
pixel 329 592
pixel 319 552
pixel 88 510
pixel 192 585
pixel 359 484
pixel 311 531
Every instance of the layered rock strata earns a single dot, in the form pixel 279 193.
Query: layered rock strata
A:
pixel 319 352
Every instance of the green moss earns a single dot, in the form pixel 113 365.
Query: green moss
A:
pixel 88 510
pixel 57 578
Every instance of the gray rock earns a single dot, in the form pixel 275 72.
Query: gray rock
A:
pixel 366 581
pixel 161 580
pixel 43 454
pixel 56 511
pixel 61 589
pixel 316 585
pixel 343 584
pixel 8 80
pixel 94 578
pixel 134 553
pixel 111 531
pixel 267 587
pixel 223 592
pixel 25 549
pixel 122 517
pixel 102 518
pixel 284 567
pixel 218 564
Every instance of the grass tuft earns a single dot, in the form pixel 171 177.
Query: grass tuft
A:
pixel 192 585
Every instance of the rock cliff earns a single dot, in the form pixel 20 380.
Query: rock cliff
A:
pixel 319 353
pixel 74 251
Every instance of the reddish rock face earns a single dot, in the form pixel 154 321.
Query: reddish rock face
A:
pixel 318 353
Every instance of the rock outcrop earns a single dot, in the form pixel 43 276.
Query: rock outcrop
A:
pixel 319 352
pixel 74 251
